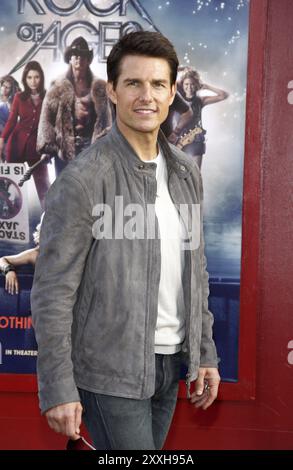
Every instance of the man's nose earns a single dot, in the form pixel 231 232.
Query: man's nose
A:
pixel 146 93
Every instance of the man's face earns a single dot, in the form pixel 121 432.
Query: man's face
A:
pixel 143 94
pixel 6 89
pixel 79 63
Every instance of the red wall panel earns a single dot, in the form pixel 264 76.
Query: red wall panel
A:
pixel 267 421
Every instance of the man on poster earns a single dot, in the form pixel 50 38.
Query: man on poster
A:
pixel 115 316
pixel 76 110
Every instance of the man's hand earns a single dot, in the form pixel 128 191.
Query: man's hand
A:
pixel 206 389
pixel 66 419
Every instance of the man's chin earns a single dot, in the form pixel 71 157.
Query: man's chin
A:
pixel 148 130
pixel 147 126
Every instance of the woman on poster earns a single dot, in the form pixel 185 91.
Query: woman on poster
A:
pixel 8 88
pixel 20 131
pixel 194 133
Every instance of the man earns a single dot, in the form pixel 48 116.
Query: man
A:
pixel 116 310
pixel 76 110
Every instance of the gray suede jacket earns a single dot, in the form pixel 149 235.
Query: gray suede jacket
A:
pixel 94 300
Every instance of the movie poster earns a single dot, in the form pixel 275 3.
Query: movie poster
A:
pixel 210 37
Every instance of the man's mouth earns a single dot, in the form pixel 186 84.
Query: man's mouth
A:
pixel 145 111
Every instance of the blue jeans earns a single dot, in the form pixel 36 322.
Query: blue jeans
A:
pixel 117 423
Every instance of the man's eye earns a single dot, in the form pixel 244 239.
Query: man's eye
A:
pixel 159 85
pixel 133 83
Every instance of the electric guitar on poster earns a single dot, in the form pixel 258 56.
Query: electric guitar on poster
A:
pixel 45 158
pixel 189 137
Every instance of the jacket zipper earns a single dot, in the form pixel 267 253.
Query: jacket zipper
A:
pixel 149 273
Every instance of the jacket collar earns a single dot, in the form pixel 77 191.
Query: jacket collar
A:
pixel 126 151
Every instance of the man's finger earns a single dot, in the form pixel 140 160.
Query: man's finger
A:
pixel 213 393
pixel 209 401
pixel 202 403
pixel 54 424
pixel 78 417
pixel 199 387
pixel 69 427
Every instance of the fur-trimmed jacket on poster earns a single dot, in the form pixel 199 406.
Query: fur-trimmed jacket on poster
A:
pixel 56 126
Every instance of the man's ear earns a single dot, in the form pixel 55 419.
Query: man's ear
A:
pixel 111 92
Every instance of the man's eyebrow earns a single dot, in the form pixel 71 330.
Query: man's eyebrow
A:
pixel 131 80
pixel 155 80
pixel 161 80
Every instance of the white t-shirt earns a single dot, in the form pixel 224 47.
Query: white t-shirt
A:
pixel 170 328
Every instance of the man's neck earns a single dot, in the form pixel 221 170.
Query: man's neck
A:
pixel 143 143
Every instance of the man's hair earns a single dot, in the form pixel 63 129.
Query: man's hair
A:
pixel 143 43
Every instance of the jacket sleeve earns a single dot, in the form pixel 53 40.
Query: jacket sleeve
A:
pixel 208 352
pixel 12 119
pixel 65 240
pixel 46 140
